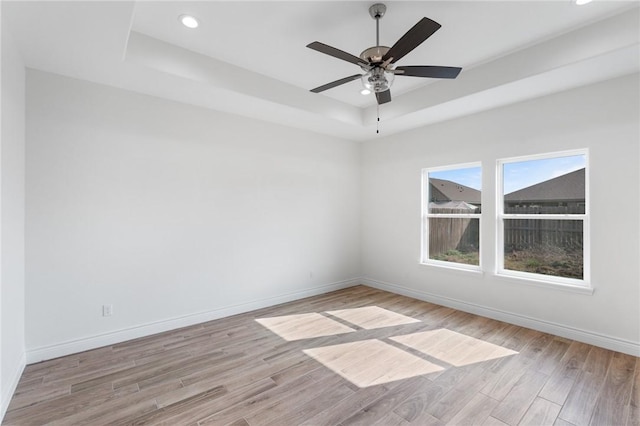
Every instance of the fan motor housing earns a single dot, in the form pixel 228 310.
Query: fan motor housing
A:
pixel 373 55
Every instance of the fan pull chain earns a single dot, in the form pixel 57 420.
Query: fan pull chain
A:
pixel 378 122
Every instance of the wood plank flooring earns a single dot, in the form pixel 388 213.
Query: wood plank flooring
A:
pixel 358 356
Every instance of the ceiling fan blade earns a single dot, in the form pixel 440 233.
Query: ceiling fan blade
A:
pixel 428 71
pixel 412 39
pixel 336 53
pixel 336 83
pixel 383 97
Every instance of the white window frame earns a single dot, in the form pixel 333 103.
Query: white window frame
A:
pixel 581 285
pixel 424 243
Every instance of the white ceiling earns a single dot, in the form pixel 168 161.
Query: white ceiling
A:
pixel 250 58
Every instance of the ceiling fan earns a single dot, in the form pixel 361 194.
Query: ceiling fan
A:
pixel 377 62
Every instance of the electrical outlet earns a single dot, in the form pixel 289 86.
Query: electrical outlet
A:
pixel 107 310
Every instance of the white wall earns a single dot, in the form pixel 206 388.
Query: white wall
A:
pixel 603 118
pixel 12 200
pixel 166 210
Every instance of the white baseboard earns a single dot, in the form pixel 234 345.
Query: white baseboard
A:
pixel 596 339
pixel 10 389
pixel 93 342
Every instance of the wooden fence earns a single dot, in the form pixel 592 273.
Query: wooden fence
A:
pixel 453 234
pixel 462 234
pixel 521 234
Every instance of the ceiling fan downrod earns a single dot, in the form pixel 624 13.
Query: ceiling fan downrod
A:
pixel 377 11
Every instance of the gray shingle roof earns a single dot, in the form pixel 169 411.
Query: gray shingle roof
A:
pixel 446 190
pixel 568 187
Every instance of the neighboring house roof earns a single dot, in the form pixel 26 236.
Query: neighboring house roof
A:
pixel 568 187
pixel 446 190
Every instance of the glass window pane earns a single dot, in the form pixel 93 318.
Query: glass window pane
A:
pixel 455 240
pixel 456 191
pixel 546 186
pixel 544 246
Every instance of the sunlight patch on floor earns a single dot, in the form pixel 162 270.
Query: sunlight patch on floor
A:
pixel 453 348
pixel 303 326
pixel 370 317
pixel 371 362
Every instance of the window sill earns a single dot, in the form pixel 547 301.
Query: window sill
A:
pixel 458 267
pixel 542 283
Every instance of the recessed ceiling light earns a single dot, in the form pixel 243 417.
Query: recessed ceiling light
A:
pixel 581 2
pixel 365 91
pixel 188 21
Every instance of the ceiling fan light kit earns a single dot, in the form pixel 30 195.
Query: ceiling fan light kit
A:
pixel 377 80
pixel 378 62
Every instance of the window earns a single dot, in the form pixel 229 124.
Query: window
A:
pixel 451 205
pixel 542 215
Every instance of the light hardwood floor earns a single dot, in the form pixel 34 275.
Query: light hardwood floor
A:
pixel 355 356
